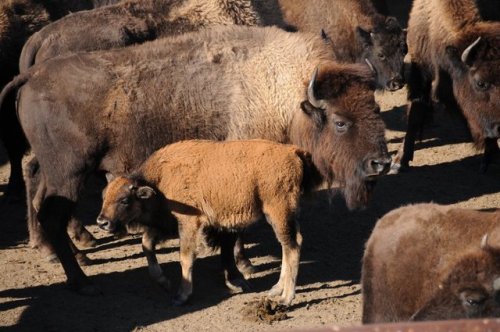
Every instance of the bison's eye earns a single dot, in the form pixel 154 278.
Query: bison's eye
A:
pixel 381 56
pixel 482 85
pixel 341 126
pixel 125 201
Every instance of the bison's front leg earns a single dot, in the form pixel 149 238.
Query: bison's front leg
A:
pixel 149 240
pixel 187 236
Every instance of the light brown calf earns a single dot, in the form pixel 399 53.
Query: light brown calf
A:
pixel 222 185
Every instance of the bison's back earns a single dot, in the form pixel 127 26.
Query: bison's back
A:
pixel 231 182
pixel 409 249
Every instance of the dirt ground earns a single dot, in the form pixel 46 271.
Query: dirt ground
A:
pixel 33 295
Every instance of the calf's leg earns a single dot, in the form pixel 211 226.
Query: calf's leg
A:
pixel 149 240
pixel 242 262
pixel 233 277
pixel 187 236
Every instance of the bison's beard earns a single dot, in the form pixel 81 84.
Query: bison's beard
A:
pixel 357 192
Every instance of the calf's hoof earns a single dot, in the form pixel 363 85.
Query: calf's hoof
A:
pixel 83 260
pixel 246 268
pixel 276 290
pixel 87 240
pixel 238 285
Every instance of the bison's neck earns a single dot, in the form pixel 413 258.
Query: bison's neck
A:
pixel 457 13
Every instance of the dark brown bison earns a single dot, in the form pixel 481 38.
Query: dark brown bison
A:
pixel 225 83
pixel 455 60
pixel 123 24
pixel 18 20
pixel 356 32
pixel 222 185
pixel 432 262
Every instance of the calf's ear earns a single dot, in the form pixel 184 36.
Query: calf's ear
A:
pixel 145 192
pixel 109 177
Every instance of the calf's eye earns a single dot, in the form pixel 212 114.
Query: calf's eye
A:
pixel 381 56
pixel 125 201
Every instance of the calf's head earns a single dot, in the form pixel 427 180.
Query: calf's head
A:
pixel 470 288
pixel 340 125
pixel 126 201
pixel 475 67
pixel 384 49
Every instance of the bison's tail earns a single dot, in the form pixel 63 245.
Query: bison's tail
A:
pixel 29 52
pixel 18 81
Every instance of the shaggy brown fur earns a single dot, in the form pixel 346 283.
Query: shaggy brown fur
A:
pixel 426 262
pixel 439 32
pixel 356 32
pixel 18 20
pixel 225 83
pixel 222 185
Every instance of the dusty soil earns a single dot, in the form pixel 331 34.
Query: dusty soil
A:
pixel 33 295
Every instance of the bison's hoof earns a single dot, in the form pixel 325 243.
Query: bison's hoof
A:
pixel 180 299
pixel 246 268
pixel 52 258
pixel 83 260
pixel 276 290
pixel 238 285
pixel 87 241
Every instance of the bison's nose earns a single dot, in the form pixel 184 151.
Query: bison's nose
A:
pixel 493 131
pixel 376 167
pixel 104 223
pixel 395 83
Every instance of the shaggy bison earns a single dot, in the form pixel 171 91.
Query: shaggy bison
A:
pixel 356 32
pixel 223 83
pixel 221 185
pixel 18 20
pixel 432 262
pixel 455 59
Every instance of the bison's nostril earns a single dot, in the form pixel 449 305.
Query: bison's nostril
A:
pixel 379 166
pixel 103 223
pixel 395 84
pixel 493 131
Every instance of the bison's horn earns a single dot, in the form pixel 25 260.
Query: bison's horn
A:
pixel 368 62
pixel 467 51
pixel 310 93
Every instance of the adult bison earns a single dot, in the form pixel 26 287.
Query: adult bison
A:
pixel 455 59
pixel 356 32
pixel 225 83
pixel 120 25
pixel 18 20
pixel 432 262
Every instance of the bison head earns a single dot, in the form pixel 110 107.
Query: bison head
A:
pixel 126 201
pixel 384 49
pixel 470 288
pixel 341 127
pixel 476 80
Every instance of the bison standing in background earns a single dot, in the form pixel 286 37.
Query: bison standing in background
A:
pixel 455 60
pixel 224 83
pixel 18 20
pixel 225 186
pixel 120 25
pixel 432 262
pixel 356 32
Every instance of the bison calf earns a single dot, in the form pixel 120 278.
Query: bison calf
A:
pixel 223 185
pixel 432 262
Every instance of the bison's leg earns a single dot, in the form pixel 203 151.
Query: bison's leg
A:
pixel 187 236
pixel 419 85
pixel 16 146
pixel 242 261
pixel 288 234
pixel 491 153
pixel 149 240
pixel 233 277
pixel 80 233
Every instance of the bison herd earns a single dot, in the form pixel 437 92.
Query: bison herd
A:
pixel 206 116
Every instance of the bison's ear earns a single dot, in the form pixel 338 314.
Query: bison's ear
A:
pixel 391 23
pixel 454 58
pixel 145 192
pixel 317 115
pixel 364 36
